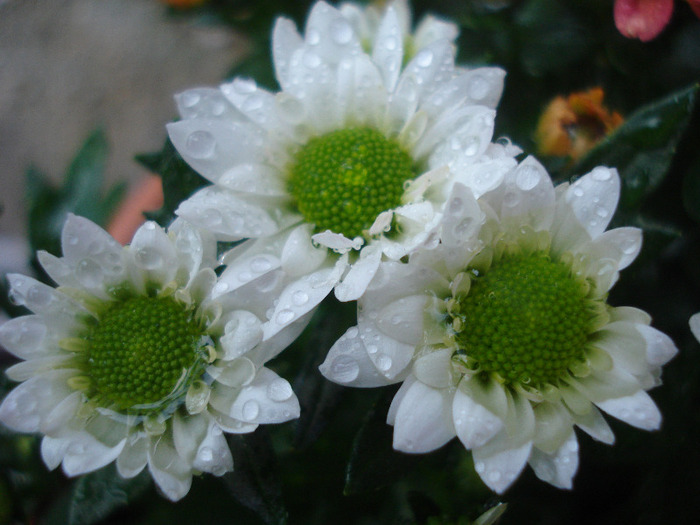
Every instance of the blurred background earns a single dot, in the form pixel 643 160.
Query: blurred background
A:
pixel 85 85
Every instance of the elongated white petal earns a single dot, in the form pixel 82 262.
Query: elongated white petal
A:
pixel 593 199
pixel 474 423
pixel 498 464
pixel 170 472
pixel 423 421
pixel 557 468
pixel 134 456
pixel 360 274
pixel 85 454
pixel 267 399
pixel 348 363
pixel 637 410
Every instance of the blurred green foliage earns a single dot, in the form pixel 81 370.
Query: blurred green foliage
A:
pixel 336 463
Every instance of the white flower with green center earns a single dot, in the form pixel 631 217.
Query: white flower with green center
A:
pixel 130 359
pixel 325 176
pixel 502 335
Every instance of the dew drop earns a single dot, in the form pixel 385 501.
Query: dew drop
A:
pixel 206 454
pixel 279 390
pixel 456 206
pixel 251 409
pixel 601 212
pixel 390 43
pixel 372 349
pixel 601 174
pixel 352 332
pixel 300 298
pixel 344 369
pixel 260 265
pixel 384 362
pixel 424 58
pixel 462 228
pixel 220 288
pixel 472 148
pixel 494 476
pixel 511 199
pixel 252 103
pixel 578 192
pixel 313 37
pixel 480 467
pixel 284 316
pixel 312 60
pixel 200 144
pixel 190 99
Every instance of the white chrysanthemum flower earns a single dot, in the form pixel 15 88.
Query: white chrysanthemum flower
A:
pixel 130 359
pixel 501 334
pixel 327 175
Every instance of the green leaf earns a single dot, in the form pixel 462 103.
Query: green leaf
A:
pixel 179 180
pixel 373 462
pixel 254 481
pixel 96 495
pixel 691 190
pixel 643 147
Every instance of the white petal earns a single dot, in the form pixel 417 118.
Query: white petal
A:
pixel 348 363
pixel 62 414
pixel 26 406
pixel 267 399
pixel 43 299
pixel 423 420
pixel 458 137
pixel 553 424
pixel 361 273
pixel 498 464
pixel 593 199
pixel 285 41
pixel 188 433
pixel 60 271
pixel 431 65
pixel 474 423
pixel 432 29
pixel 154 253
pixel 490 394
pixel 337 241
pixel 227 215
pixel 529 193
pixel 242 332
pixel 254 102
pixel 256 179
pixel 248 261
pixel 26 337
pixel 205 103
pixel 85 454
pixel 53 450
pixel 82 238
pixel 134 457
pixel 435 368
pixel 299 255
pixel 212 147
pixel 171 473
pixel 694 323
pixel 330 34
pixel 558 468
pixel 594 424
pixel 213 454
pixel 637 410
pixel 660 347
pixel 402 319
pixel 303 295
pixel 482 86
pixel 388 48
pixel 196 248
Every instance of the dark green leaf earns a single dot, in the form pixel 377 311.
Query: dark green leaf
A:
pixel 254 481
pixel 179 180
pixel 643 147
pixel 691 191
pixel 96 495
pixel 257 66
pixel 373 462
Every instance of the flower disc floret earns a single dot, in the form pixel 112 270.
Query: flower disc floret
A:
pixel 526 320
pixel 342 180
pixel 143 351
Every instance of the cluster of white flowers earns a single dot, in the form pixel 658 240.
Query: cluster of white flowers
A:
pixel 371 173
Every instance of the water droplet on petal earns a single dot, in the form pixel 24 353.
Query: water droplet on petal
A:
pixel 384 362
pixel 601 174
pixel 424 58
pixel 200 144
pixel 190 99
pixel 344 369
pixel 511 199
pixel 279 390
pixel 260 265
pixel 284 316
pixel 313 37
pixel 206 454
pixel 312 60
pixel 300 298
pixel 251 409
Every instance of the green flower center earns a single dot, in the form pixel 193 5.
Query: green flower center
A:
pixel 342 180
pixel 144 353
pixel 526 319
